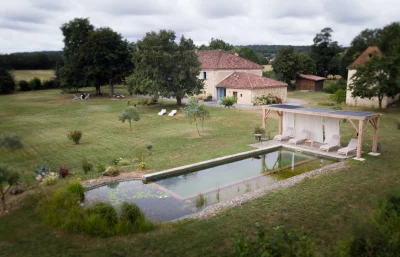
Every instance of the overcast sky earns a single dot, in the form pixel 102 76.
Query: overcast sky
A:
pixel 33 25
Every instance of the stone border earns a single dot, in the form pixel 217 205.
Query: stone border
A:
pixel 213 210
pixel 103 181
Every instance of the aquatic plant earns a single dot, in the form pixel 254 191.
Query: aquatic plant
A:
pixel 201 200
pixel 218 194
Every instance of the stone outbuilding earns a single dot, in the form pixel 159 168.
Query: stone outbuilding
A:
pixel 246 87
pixel 309 82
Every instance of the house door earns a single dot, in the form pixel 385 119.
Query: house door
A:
pixel 221 92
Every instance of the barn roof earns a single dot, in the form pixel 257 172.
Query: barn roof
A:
pixel 219 59
pixel 311 77
pixel 366 55
pixel 244 80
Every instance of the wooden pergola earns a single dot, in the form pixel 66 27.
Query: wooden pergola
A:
pixel 363 119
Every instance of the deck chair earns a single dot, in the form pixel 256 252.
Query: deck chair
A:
pixel 75 97
pixel 300 138
pixel 172 113
pixel 163 111
pixel 285 135
pixel 87 97
pixel 352 146
pixel 333 143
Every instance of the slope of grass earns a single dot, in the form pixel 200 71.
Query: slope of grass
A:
pixel 30 74
pixel 327 205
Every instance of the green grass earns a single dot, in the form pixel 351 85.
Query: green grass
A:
pixel 30 74
pixel 267 68
pixel 327 205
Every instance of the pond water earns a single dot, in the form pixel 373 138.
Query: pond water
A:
pixel 174 197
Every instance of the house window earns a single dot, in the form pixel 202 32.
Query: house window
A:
pixel 234 94
pixel 241 95
pixel 204 75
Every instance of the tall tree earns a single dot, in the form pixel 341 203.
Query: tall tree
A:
pixel 75 35
pixel 107 58
pixel 217 44
pixel 249 54
pixel 373 79
pixel 7 82
pixel 325 53
pixel 306 64
pixel 165 67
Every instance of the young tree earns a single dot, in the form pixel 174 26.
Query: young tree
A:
pixel 163 67
pixel 7 82
pixel 196 112
pixel 129 114
pixel 12 142
pixel 325 53
pixel 107 58
pixel 8 178
pixel 373 79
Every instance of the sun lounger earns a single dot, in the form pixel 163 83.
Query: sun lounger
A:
pixel 172 113
pixel 163 111
pixel 333 143
pixel 75 97
pixel 351 147
pixel 285 135
pixel 87 97
pixel 300 138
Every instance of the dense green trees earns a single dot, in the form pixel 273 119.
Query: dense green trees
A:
pixel 32 61
pixel 7 82
pixel 164 67
pixel 325 53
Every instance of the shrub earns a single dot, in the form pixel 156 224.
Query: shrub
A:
pixel 23 85
pixel 8 178
pixel 100 167
pixel 49 84
pixel 7 82
pixel 77 189
pixel 111 171
pixel 124 162
pixel 63 171
pixel 87 165
pixel 142 165
pixel 258 130
pixel 75 135
pixel 143 101
pixel 50 179
pixel 326 103
pixel 267 99
pixel 35 84
pixel 228 101
pixel 339 97
pixel 333 87
pixel 102 213
pixel 277 242
pixel 41 172
pixel 132 220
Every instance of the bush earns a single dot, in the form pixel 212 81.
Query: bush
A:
pixel 200 200
pixel 339 97
pixel 277 242
pixel 77 189
pixel 228 101
pixel 87 165
pixel 75 135
pixel 23 85
pixel 333 87
pixel 111 171
pixel 8 178
pixel 258 130
pixel 132 220
pixel 50 179
pixel 41 172
pixel 49 84
pixel 143 101
pixel 35 84
pixel 100 167
pixel 7 82
pixel 267 99
pixel 63 171
pixel 101 219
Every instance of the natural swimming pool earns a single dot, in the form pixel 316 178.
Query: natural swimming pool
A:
pixel 174 197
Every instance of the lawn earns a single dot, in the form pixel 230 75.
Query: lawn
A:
pixel 30 74
pixel 327 205
pixel 267 68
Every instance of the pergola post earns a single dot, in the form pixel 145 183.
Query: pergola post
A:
pixel 360 137
pixel 375 137
pixel 280 122
pixel 264 119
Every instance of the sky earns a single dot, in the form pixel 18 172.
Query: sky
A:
pixel 34 25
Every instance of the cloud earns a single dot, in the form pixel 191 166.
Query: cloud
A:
pixel 27 25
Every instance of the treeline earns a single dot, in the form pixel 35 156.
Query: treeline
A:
pixel 45 60
pixel 267 50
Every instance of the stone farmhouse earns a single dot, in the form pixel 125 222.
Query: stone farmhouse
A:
pixel 227 74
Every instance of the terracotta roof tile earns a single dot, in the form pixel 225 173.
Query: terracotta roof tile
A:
pixel 244 80
pixel 218 59
pixel 311 77
pixel 366 55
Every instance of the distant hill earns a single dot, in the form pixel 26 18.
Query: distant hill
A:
pixel 43 60
pixel 267 50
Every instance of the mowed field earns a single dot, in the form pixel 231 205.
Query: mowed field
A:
pixel 268 68
pixel 327 206
pixel 30 74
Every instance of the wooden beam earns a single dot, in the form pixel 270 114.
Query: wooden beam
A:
pixel 365 124
pixel 373 122
pixel 280 123
pixel 375 137
pixel 360 138
pixel 264 119
pixel 354 125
